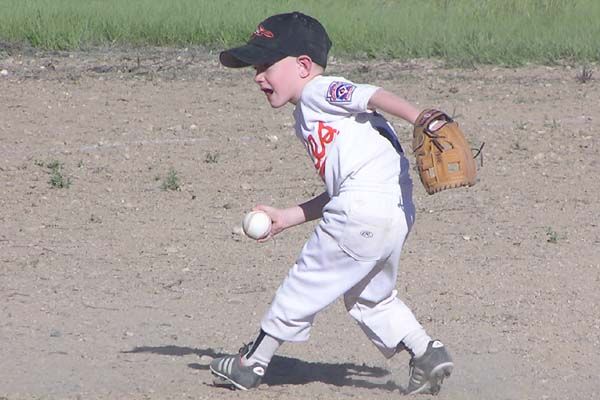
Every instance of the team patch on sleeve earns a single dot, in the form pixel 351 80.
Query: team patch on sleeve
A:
pixel 340 92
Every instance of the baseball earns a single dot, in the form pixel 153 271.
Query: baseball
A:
pixel 257 225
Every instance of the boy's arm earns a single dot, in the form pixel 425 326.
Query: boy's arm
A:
pixel 308 211
pixel 313 208
pixel 296 215
pixel 390 103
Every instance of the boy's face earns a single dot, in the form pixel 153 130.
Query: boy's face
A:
pixel 281 82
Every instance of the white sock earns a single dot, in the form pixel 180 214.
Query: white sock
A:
pixel 416 342
pixel 262 350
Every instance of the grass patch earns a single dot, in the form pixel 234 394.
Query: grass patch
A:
pixel 211 157
pixel 57 178
pixel 463 32
pixel 171 181
pixel 551 235
pixel 585 74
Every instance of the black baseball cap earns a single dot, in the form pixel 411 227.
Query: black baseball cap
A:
pixel 291 34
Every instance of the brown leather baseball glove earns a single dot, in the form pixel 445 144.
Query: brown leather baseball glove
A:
pixel 442 153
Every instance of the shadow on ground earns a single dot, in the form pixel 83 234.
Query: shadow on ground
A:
pixel 292 371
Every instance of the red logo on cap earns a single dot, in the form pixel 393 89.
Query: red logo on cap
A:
pixel 261 31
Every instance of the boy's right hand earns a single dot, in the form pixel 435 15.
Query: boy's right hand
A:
pixel 281 219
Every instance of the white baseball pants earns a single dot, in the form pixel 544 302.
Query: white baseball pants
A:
pixel 355 252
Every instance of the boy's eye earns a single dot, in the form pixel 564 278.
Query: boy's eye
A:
pixel 261 67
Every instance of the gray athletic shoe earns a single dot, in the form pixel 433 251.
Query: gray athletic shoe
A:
pixel 428 371
pixel 230 372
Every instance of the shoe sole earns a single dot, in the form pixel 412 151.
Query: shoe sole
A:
pixel 434 383
pixel 223 380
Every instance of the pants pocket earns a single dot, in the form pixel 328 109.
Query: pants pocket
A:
pixel 364 236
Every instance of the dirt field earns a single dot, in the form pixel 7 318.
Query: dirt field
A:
pixel 114 288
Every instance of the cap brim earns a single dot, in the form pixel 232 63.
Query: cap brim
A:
pixel 247 55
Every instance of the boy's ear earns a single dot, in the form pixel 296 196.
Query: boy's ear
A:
pixel 305 66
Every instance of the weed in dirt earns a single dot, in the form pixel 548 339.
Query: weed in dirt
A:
pixel 171 182
pixel 551 235
pixel 584 75
pixel 54 165
pixel 57 179
pixel 552 124
pixel 211 158
pixel 521 125
pixel 518 147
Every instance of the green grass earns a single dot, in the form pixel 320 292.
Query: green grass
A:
pixel 552 236
pixel 171 181
pixel 57 179
pixel 463 31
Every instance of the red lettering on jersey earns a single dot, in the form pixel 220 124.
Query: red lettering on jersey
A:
pixel 322 169
pixel 325 134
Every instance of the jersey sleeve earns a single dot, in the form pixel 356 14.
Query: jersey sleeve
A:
pixel 338 96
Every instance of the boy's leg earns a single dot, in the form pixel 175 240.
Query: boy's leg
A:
pixel 374 304
pixel 246 369
pixel 389 324
pixel 262 349
pixel 324 271
pixel 392 327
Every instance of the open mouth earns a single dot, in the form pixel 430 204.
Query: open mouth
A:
pixel 267 91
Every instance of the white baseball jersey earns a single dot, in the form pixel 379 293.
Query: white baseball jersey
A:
pixel 343 138
pixel 354 251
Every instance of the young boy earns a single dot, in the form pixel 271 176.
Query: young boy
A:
pixel 366 210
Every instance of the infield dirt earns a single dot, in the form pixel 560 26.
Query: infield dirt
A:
pixel 116 287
